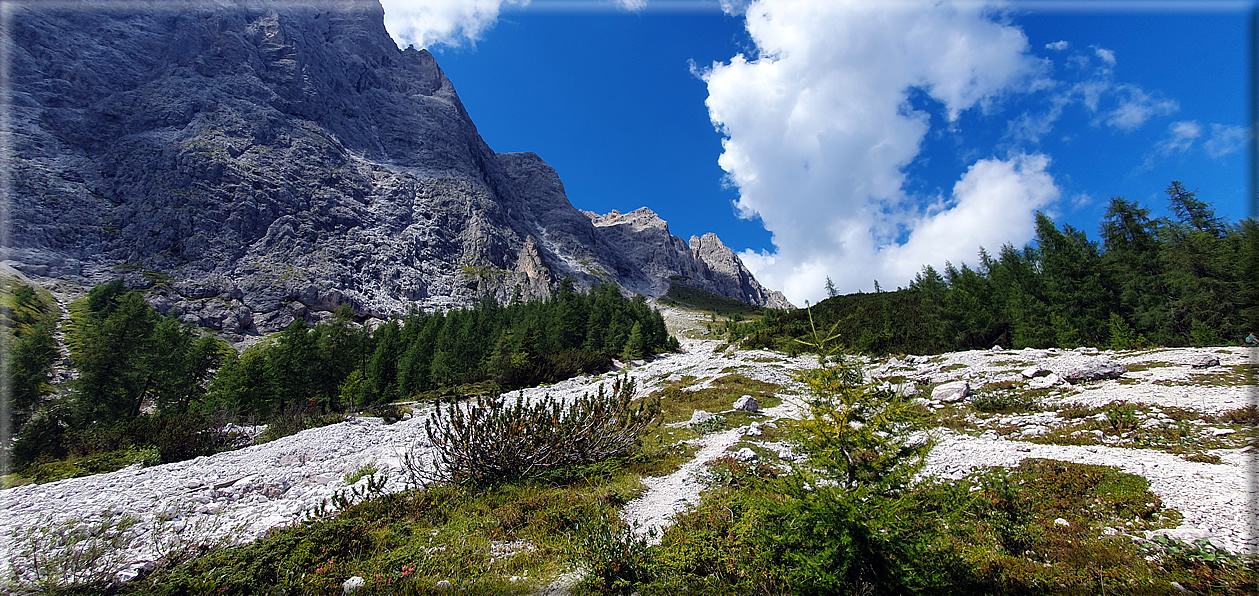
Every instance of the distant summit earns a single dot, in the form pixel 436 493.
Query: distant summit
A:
pixel 260 161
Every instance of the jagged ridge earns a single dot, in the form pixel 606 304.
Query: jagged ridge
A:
pixel 259 161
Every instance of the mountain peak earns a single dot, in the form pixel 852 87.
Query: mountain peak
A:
pixel 271 160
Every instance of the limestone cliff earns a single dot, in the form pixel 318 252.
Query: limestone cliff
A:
pixel 257 160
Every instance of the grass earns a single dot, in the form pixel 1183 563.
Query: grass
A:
pixel 684 296
pixel 1237 375
pixel 41 472
pixel 678 404
pixel 997 532
pixel 23 306
pixel 1121 425
pixel 405 543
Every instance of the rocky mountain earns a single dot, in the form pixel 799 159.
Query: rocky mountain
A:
pixel 254 161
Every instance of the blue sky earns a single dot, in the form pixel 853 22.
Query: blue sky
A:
pixel 856 140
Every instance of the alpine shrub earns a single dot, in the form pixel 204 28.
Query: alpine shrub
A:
pixel 495 439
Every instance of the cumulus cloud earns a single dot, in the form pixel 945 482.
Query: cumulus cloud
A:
pixel 994 202
pixel 1225 139
pixel 819 129
pixel 1058 46
pixel 1107 56
pixel 425 23
pixel 632 5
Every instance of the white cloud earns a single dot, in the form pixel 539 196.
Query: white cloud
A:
pixel 1225 139
pixel 994 202
pixel 1136 107
pixel 1058 46
pixel 1180 137
pixel 632 5
pixel 819 129
pixel 425 23
pixel 1123 106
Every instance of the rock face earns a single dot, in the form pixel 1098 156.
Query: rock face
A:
pixel 258 161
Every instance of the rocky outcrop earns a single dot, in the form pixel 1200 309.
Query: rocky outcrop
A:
pixel 255 161
pixel 705 263
pixel 732 278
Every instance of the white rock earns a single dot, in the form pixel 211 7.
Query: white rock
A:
pixel 754 430
pixel 1033 371
pixel 951 392
pixel 442 585
pixel 747 403
pixel 352 584
pixel 1204 361
pixel 1044 382
pixel 1076 369
pixel 1062 522
pixel 746 454
pixel 1223 432
pixel 1189 535
pixel 699 417
pixel 1035 430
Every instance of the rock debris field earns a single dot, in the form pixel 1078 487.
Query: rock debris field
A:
pixel 1108 408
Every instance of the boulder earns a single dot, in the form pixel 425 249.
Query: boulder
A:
pixel 746 454
pixel 1079 369
pixel 747 403
pixel 1204 361
pixel 1044 382
pixel 699 417
pixel 951 392
pixel 1034 371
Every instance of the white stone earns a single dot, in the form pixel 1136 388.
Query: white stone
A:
pixel 1204 361
pixel 699 417
pixel 1062 522
pixel 1044 382
pixel 1032 371
pixel 747 403
pixel 1076 368
pixel 746 454
pixel 352 584
pixel 951 392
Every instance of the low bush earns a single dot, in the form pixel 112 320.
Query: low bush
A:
pixel 1003 402
pixel 495 439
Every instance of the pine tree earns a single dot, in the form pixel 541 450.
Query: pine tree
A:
pixel 634 347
